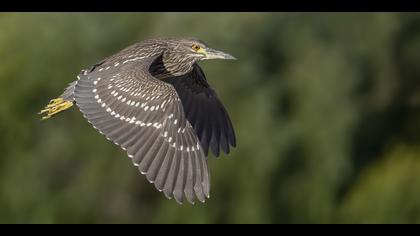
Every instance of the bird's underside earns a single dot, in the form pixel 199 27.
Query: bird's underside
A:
pixel 166 124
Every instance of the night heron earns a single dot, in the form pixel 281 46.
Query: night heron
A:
pixel 153 100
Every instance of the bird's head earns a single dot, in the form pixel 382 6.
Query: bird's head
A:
pixel 181 54
pixel 198 50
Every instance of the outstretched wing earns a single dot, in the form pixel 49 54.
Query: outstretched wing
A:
pixel 204 111
pixel 145 117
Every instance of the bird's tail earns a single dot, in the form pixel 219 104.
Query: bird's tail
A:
pixel 54 107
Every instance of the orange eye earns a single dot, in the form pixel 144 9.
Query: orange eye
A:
pixel 195 47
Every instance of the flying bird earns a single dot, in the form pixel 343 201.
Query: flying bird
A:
pixel 153 100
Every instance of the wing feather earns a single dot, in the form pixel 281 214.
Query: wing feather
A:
pixel 204 111
pixel 145 117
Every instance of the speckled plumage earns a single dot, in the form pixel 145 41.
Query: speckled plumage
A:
pixel 153 100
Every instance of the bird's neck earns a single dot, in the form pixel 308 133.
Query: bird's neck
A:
pixel 170 65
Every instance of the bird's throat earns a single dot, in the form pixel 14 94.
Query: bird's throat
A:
pixel 164 67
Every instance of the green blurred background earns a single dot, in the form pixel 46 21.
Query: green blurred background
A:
pixel 326 108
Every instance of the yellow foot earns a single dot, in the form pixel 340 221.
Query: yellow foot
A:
pixel 55 106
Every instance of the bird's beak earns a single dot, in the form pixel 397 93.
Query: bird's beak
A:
pixel 214 54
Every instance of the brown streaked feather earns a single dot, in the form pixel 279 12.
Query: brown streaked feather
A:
pixel 141 119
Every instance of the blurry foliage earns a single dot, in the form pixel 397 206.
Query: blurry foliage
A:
pixel 326 109
pixel 387 192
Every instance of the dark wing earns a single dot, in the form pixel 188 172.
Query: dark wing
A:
pixel 145 117
pixel 204 111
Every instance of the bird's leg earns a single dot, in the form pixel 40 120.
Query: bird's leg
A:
pixel 55 106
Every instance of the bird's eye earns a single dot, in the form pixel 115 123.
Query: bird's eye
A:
pixel 195 47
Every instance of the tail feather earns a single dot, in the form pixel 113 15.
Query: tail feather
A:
pixel 54 107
